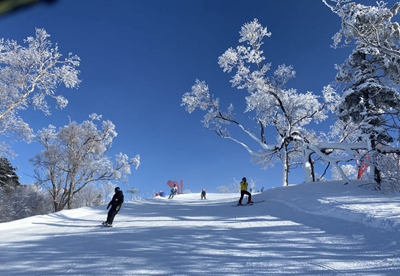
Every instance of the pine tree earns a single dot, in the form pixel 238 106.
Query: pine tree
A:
pixel 369 100
pixel 8 178
pixel 372 76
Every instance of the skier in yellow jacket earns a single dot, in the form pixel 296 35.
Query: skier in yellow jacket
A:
pixel 243 191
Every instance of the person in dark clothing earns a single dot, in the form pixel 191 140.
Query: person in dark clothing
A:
pixel 115 203
pixel 174 190
pixel 243 191
pixel 203 194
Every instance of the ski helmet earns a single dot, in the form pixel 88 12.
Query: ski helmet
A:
pixel 117 189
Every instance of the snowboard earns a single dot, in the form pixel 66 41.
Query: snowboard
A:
pixel 254 202
pixel 104 224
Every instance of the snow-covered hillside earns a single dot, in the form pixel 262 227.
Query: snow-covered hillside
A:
pixel 307 229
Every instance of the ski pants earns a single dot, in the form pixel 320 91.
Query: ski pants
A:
pixel 242 193
pixel 111 214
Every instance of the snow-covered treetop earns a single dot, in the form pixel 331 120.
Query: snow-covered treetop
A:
pixel 368 25
pixel 29 76
pixel 272 104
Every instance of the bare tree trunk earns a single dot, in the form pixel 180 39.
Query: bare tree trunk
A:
pixel 285 169
pixel 374 168
pixel 55 205
pixel 70 197
pixel 307 164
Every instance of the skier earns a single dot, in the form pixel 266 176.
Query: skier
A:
pixel 243 191
pixel 173 191
pixel 115 203
pixel 203 194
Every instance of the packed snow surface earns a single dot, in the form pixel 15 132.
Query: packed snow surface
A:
pixel 307 229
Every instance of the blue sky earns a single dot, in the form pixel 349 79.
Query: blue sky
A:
pixel 139 57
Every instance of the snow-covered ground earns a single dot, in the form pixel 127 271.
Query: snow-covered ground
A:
pixel 308 229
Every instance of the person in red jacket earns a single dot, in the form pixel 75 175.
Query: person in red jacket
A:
pixel 115 203
pixel 243 191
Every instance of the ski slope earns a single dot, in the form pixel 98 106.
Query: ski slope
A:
pixel 308 229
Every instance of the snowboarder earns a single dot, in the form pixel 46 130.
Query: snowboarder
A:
pixel 203 194
pixel 173 191
pixel 243 191
pixel 115 203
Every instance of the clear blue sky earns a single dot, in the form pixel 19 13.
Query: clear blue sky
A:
pixel 139 57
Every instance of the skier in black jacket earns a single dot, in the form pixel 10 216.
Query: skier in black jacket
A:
pixel 115 203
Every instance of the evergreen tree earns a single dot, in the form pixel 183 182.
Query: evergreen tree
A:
pixel 371 75
pixel 370 100
pixel 8 177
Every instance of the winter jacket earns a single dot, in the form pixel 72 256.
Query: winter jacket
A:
pixel 174 190
pixel 116 201
pixel 243 185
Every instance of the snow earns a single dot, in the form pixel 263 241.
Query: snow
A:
pixel 307 229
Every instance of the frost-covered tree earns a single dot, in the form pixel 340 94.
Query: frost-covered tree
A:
pixel 369 100
pixel 89 196
pixel 23 201
pixel 367 25
pixel 8 178
pixel 107 191
pixel 28 77
pixel 234 187
pixel 389 165
pixel 275 108
pixel 224 189
pixel 133 191
pixel 348 169
pixel 371 77
pixel 75 156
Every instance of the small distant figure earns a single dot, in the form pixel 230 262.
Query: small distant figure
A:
pixel 243 191
pixel 115 203
pixel 262 189
pixel 173 191
pixel 203 194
